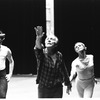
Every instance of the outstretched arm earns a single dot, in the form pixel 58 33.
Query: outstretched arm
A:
pixel 39 50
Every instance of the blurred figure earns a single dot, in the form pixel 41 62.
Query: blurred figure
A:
pixel 5 53
pixel 51 69
pixel 83 68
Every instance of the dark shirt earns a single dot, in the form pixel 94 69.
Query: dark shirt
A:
pixel 48 73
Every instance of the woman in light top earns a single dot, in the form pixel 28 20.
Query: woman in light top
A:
pixel 83 68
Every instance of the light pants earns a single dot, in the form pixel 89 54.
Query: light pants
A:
pixel 85 87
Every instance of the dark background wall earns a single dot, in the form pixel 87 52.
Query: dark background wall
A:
pixel 78 20
pixel 18 19
pixel 75 20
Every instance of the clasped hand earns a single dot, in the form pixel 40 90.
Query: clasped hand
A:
pixel 68 89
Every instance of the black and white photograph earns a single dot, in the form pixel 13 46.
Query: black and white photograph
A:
pixel 49 49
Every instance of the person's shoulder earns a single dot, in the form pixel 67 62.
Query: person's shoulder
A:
pixel 4 47
pixel 74 61
pixel 59 54
pixel 90 56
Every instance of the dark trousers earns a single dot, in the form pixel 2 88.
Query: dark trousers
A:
pixel 55 92
pixel 3 84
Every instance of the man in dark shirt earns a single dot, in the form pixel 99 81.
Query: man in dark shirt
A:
pixel 51 69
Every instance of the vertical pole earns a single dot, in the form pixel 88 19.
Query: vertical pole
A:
pixel 49 17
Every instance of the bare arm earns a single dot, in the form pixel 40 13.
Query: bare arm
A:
pixel 11 65
pixel 73 72
pixel 39 35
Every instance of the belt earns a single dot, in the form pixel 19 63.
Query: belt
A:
pixel 87 78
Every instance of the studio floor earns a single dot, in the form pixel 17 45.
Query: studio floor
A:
pixel 23 87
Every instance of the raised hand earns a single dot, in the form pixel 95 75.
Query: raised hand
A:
pixel 39 31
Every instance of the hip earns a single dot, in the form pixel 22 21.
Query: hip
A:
pixel 2 73
pixel 57 85
pixel 85 81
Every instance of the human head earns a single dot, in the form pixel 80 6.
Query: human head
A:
pixel 79 46
pixel 2 36
pixel 51 40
